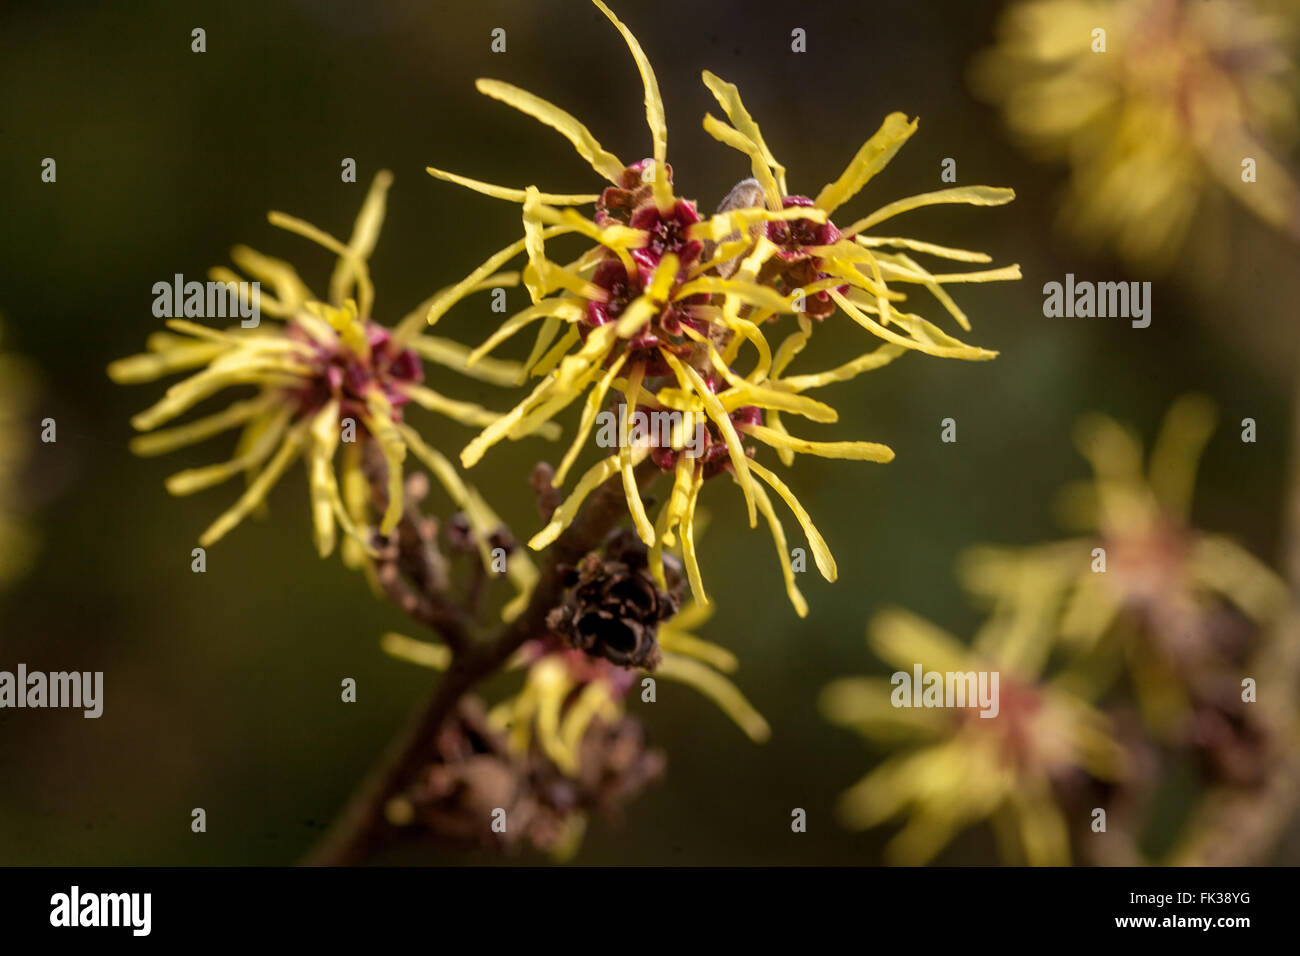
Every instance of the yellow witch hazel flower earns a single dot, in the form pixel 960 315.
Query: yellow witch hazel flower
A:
pixel 16 539
pixel 1149 101
pixel 662 305
pixel 327 376
pixel 977 756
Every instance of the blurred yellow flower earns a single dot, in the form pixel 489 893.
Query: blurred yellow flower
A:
pixel 1150 101
pixel 1141 556
pixel 966 767
pixel 329 375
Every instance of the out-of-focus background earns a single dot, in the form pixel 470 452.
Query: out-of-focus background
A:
pixel 222 689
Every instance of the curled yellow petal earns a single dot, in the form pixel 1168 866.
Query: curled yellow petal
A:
pixel 320 475
pixel 782 552
pixel 359 270
pixel 602 161
pixel 742 143
pixel 365 233
pixel 593 478
pixel 690 378
pixel 149 366
pixel 654 104
pixel 842 373
pixel 380 424
pixel 968 195
pixel 851 450
pixel 964 352
pixel 719 690
pixel 511 195
pixel 595 399
pixel 258 450
pixel 871 158
pixel 424 653
pixel 448 297
pixel 821 553
pixel 728 97
pixel 636 507
pixel 157 443
pixel 467 413
pixel 256 492
pixel 689 557
pixel 455 356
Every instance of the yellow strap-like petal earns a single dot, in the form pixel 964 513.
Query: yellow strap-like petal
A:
pixel 511 195
pixel 967 352
pixel 1186 430
pixel 821 552
pixel 689 557
pixel 738 141
pixel 602 161
pixel 595 476
pixel 467 413
pixel 455 356
pixel 748 292
pixel 877 358
pixel 365 233
pixel 278 273
pixel 728 97
pixel 874 155
pixel 631 491
pixel 149 366
pixel 361 271
pixel 157 443
pixel 415 320
pixel 424 653
pixel 256 492
pixel 568 309
pixel 690 379
pixel 968 195
pixel 595 399
pixel 381 426
pixel 677 641
pixel 916 245
pixel 497 430
pixel 448 297
pixel 719 690
pixel 265 435
pixel 320 475
pixel 782 550
pixel 654 104
pixel 851 450
pixel 903 639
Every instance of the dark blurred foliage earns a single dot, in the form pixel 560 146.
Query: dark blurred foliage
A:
pixel 223 688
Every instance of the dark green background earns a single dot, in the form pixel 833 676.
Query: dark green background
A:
pixel 222 689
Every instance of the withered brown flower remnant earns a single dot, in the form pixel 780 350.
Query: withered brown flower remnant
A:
pixel 615 764
pixel 473 774
pixel 613 606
